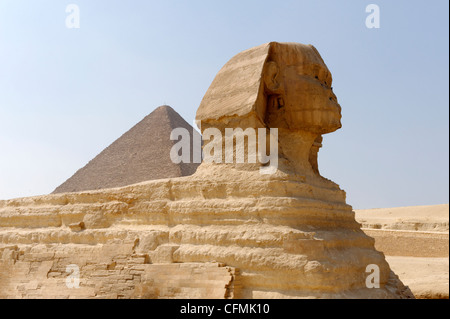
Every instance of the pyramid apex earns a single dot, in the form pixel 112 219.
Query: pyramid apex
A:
pixel 165 106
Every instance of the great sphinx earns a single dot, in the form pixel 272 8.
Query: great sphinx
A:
pixel 227 231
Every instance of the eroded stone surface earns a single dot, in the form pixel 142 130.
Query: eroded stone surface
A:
pixel 290 234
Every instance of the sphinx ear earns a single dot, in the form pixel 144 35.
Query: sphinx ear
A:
pixel 271 73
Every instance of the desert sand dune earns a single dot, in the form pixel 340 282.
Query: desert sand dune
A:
pixel 426 277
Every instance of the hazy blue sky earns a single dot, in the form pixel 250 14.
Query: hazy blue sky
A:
pixel 66 94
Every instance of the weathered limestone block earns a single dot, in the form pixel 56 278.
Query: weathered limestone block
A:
pixel 289 234
pixel 187 280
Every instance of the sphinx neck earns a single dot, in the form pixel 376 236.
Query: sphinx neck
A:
pixel 295 147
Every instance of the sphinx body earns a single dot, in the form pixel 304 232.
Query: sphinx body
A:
pixel 226 231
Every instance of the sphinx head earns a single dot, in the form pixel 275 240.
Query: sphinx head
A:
pixel 280 85
pixel 286 86
pixel 298 92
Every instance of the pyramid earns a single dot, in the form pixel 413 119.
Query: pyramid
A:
pixel 141 154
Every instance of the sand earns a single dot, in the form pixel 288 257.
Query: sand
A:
pixel 416 242
pixel 426 277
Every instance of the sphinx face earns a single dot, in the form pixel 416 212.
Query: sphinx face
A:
pixel 309 100
pixel 305 99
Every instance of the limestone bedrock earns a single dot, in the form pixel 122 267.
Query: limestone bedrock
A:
pixel 225 232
